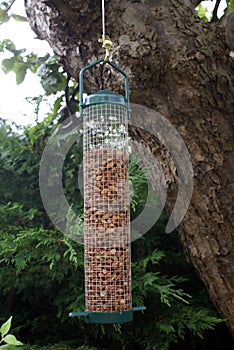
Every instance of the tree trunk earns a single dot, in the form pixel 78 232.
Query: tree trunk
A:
pixel 182 68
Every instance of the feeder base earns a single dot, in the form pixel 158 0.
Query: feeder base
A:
pixel 108 317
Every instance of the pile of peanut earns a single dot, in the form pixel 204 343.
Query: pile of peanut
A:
pixel 107 231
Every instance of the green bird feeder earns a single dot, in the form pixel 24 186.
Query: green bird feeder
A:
pixel 107 241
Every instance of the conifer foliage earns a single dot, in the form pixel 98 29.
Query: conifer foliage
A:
pixel 42 271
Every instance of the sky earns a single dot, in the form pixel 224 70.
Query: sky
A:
pixel 13 106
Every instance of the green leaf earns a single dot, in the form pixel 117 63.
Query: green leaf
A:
pixel 42 59
pixel 9 45
pixel 166 327
pixel 203 13
pixel 8 347
pixel 20 74
pixel 8 65
pixel 52 80
pixel 11 339
pixel 19 18
pixel 4 17
pixel 20 263
pixel 6 327
pixel 53 83
pixel 231 5
pixel 5 4
pixel 57 105
pixel 31 213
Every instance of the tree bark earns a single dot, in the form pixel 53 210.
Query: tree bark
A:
pixel 182 68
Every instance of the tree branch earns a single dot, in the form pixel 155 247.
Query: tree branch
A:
pixel 230 30
pixel 74 93
pixel 67 95
pixel 215 11
pixel 70 99
pixel 10 5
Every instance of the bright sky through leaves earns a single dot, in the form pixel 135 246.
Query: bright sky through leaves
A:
pixel 13 105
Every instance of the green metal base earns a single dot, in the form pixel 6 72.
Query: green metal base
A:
pixel 108 317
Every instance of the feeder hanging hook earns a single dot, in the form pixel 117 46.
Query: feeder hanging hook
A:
pixel 108 45
pixel 105 40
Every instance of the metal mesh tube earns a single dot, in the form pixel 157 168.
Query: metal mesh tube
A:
pixel 106 209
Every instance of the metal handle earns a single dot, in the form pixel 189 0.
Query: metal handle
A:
pixel 94 64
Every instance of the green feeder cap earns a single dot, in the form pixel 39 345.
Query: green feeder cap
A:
pixel 104 96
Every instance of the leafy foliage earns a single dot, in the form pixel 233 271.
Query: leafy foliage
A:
pixel 19 61
pixel 203 13
pixel 7 338
pixel 230 4
pixel 138 184
pixel 42 271
pixel 206 15
pixel 51 79
pixel 59 346
pixel 5 16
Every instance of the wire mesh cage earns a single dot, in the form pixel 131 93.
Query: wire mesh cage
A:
pixel 106 211
pixel 106 206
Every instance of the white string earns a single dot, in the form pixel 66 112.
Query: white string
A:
pixel 103 20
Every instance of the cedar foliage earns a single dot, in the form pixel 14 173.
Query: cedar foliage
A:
pixel 42 271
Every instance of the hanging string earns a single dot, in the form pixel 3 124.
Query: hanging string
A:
pixel 103 21
pixel 105 40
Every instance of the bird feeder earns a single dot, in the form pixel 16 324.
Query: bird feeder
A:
pixel 106 205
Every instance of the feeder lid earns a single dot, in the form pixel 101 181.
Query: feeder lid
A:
pixel 104 96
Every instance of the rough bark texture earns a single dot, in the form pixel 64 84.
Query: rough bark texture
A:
pixel 182 68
